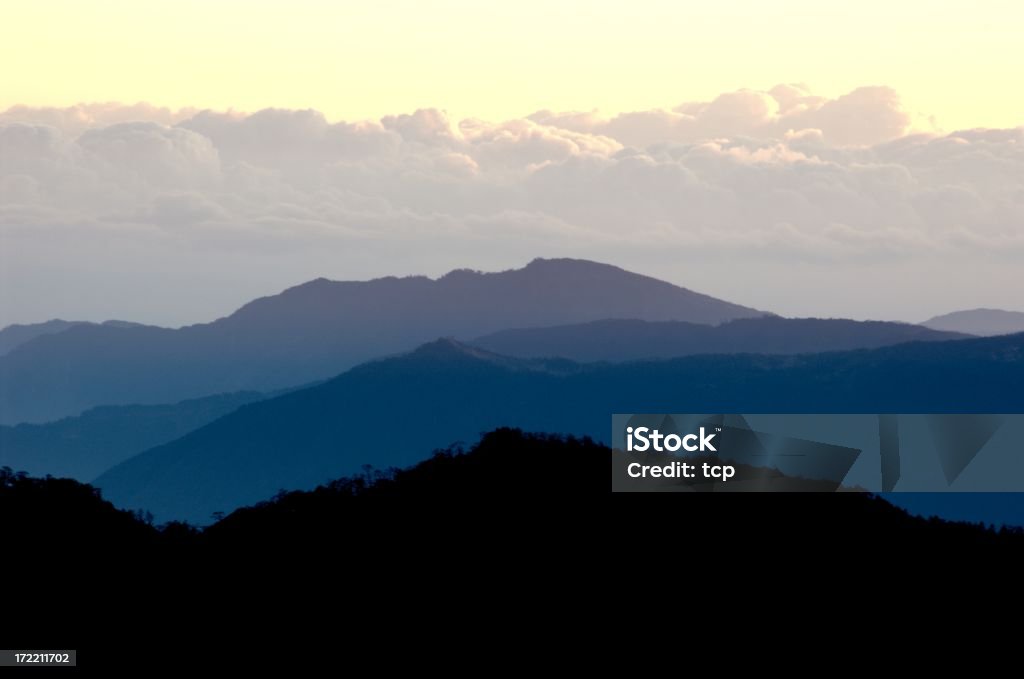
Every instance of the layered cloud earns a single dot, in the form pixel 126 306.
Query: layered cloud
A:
pixel 747 196
pixel 866 116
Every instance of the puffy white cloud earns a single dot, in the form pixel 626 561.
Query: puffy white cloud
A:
pixel 426 126
pixel 289 140
pixel 74 120
pixel 143 156
pixel 866 116
pixel 519 144
pixel 779 199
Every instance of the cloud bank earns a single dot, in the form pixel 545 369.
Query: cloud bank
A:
pixel 779 199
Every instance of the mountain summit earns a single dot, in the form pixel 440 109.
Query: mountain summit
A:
pixel 321 328
pixel 545 292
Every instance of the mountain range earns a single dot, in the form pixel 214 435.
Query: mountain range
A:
pixel 318 329
pixel 84 446
pixel 395 411
pixel 981 322
pixel 631 339
pixel 559 346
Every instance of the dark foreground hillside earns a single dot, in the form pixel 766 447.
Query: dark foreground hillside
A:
pixel 521 521
pixel 544 483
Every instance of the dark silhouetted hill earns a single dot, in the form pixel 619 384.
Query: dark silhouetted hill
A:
pixel 628 339
pixel 981 322
pixel 543 485
pixel 518 520
pixel 85 446
pixel 558 486
pixel 63 515
pixel 531 513
pixel 320 328
pixel 393 412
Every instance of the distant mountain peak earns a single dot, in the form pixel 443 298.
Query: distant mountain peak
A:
pixel 570 265
pixel 449 348
pixel 537 262
pixel 446 346
pixel 983 322
pixel 976 311
pixel 114 323
pixel 462 273
pixel 17 334
pixel 566 265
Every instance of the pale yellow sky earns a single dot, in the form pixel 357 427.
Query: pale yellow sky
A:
pixel 959 60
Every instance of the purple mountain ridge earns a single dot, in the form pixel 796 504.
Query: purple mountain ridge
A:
pixel 320 328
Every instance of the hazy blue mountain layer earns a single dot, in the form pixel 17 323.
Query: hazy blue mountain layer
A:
pixel 396 411
pixel 628 339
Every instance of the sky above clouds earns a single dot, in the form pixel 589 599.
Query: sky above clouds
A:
pixel 621 135
pixel 958 60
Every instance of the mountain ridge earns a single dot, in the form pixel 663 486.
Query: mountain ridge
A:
pixel 16 334
pixel 86 445
pixel 632 339
pixel 321 328
pixel 404 407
